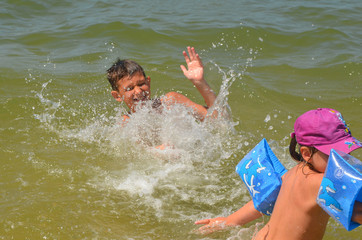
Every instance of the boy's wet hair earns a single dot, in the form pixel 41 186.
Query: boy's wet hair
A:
pixel 121 69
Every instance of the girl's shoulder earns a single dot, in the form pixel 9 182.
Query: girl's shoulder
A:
pixel 311 178
pixel 304 175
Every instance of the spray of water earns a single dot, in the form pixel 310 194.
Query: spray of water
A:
pixel 192 170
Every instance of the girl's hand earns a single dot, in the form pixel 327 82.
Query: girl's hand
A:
pixel 212 225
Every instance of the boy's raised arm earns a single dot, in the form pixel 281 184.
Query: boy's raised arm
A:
pixel 195 73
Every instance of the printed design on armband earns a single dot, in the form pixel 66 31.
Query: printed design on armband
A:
pixel 249 176
pixel 325 189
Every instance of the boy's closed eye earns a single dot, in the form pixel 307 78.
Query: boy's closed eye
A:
pixel 128 88
pixel 132 87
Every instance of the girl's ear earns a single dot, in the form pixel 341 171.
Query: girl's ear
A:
pixel 306 153
pixel 116 96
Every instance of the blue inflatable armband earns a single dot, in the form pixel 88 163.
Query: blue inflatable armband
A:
pixel 261 172
pixel 341 187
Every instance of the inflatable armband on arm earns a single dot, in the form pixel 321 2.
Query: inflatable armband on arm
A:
pixel 261 172
pixel 341 187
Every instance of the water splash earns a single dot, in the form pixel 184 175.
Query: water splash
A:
pixel 132 165
pixel 124 158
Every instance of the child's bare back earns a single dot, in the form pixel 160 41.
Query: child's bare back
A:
pixel 296 209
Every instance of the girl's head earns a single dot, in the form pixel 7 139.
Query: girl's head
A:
pixel 321 130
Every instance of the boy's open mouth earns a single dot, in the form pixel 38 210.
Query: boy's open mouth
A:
pixel 140 99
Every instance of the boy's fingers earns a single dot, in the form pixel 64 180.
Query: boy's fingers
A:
pixel 191 53
pixel 183 68
pixel 198 59
pixel 186 57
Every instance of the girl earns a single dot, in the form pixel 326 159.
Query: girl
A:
pixel 296 214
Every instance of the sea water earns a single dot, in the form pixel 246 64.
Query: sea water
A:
pixel 70 170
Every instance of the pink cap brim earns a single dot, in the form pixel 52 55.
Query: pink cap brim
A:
pixel 346 145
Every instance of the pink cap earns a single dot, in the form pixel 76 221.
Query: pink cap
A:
pixel 324 129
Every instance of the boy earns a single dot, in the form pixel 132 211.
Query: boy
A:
pixel 130 84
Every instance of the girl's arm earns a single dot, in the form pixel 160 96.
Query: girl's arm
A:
pixel 242 216
pixel 357 213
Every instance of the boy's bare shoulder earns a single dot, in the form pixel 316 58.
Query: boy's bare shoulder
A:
pixel 171 98
pixel 125 119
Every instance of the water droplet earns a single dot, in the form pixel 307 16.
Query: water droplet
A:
pixel 267 118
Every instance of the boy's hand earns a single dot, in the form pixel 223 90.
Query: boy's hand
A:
pixel 195 73
pixel 195 69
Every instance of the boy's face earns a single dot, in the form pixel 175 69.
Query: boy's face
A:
pixel 133 90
